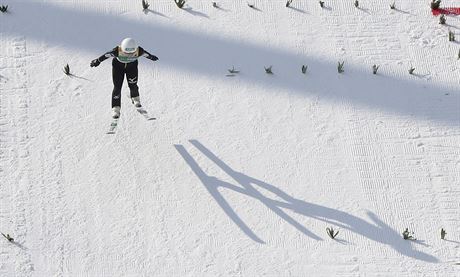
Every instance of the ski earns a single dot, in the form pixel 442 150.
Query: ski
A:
pixel 113 126
pixel 144 113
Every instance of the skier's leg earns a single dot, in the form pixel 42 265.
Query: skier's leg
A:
pixel 118 75
pixel 131 75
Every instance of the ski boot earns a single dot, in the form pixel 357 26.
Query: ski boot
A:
pixel 116 112
pixel 136 101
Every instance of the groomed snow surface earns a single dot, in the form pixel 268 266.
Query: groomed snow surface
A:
pixel 238 176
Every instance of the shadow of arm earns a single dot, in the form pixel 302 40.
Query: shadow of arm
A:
pixel 211 184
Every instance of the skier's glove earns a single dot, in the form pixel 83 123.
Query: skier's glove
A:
pixel 95 63
pixel 152 57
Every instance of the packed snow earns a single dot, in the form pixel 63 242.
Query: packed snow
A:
pixel 241 174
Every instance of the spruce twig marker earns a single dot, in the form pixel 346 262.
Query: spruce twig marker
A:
pixel 442 19
pixel 411 70
pixel 435 4
pixel 7 236
pixel 356 3
pixel 340 67
pixel 233 70
pixel 67 70
pixel 288 3
pixel 451 36
pixel 4 9
pixel 393 6
pixel 321 4
pixel 145 5
pixel 304 69
pixel 268 70
pixel 375 68
pixel 180 3
pixel 408 235
pixel 331 233
pixel 443 233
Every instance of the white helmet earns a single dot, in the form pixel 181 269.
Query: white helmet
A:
pixel 128 45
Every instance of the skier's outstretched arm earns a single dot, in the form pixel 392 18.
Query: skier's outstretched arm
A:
pixel 144 53
pixel 104 57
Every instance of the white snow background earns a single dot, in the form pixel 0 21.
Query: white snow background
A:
pixel 238 176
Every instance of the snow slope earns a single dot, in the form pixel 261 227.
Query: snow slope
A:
pixel 239 176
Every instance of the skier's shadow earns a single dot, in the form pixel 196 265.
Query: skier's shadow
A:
pixel 377 230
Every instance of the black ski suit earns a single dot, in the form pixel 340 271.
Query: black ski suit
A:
pixel 124 63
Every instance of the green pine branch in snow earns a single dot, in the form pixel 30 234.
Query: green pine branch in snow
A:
pixel 145 5
pixel 435 4
pixel 180 3
pixel 451 36
pixel 8 237
pixel 408 235
pixel 67 70
pixel 331 233
pixel 304 69
pixel 375 68
pixel 443 233
pixel 442 19
pixel 268 70
pixel 340 68
pixel 233 70
pixel 411 70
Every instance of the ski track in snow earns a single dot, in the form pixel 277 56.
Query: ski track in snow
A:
pixel 238 176
pixel 15 143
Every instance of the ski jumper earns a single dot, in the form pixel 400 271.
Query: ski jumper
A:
pixel 124 64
